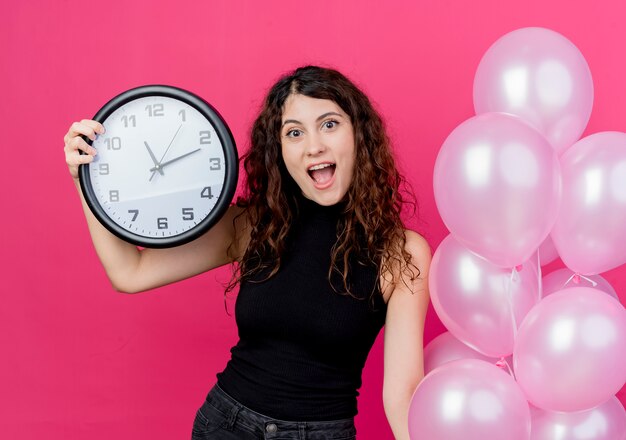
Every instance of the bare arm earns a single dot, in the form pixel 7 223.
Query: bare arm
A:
pixel 404 332
pixel 133 270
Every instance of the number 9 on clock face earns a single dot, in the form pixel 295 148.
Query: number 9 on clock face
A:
pixel 166 168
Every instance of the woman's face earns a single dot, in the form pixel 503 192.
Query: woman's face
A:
pixel 317 141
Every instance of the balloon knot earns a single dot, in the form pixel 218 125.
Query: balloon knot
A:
pixel 576 279
pixel 501 363
pixel 519 267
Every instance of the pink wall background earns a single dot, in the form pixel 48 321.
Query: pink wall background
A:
pixel 79 360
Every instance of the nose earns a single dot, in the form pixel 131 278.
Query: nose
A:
pixel 314 146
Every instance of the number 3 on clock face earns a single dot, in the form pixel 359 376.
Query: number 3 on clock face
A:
pixel 166 168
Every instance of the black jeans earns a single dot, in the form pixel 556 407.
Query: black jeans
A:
pixel 223 418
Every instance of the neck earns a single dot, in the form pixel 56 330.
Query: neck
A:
pixel 310 207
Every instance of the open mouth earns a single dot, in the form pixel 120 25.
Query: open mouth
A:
pixel 322 173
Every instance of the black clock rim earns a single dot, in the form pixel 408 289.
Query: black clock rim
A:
pixel 230 158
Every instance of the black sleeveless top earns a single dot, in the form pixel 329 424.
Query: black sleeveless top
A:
pixel 302 346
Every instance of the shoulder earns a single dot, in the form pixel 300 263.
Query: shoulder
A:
pixel 418 248
pixel 409 277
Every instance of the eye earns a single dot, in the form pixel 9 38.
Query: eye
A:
pixel 330 124
pixel 294 133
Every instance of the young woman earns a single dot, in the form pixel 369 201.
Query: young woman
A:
pixel 322 262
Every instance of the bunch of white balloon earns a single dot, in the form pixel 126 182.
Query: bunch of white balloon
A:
pixel 505 181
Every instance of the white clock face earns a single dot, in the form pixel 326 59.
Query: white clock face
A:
pixel 160 167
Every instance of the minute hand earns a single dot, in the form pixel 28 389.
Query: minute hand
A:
pixel 175 159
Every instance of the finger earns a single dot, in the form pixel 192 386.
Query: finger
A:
pixel 78 128
pixel 78 143
pixel 74 160
pixel 94 125
pixel 81 159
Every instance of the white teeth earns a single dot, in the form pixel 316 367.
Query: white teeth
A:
pixel 320 166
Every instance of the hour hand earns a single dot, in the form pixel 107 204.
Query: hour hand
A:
pixel 157 167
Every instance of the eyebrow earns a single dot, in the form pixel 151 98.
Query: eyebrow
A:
pixel 317 120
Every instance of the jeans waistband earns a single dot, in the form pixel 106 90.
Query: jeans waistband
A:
pixel 219 399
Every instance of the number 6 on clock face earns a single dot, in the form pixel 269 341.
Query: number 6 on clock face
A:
pixel 166 168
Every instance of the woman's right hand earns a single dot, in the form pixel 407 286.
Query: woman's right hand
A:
pixel 74 144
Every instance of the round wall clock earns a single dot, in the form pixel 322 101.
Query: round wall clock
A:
pixel 166 168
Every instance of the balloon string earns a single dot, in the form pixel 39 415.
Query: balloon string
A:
pixel 503 363
pixel 510 298
pixel 539 280
pixel 576 278
pixel 593 283
pixel 568 280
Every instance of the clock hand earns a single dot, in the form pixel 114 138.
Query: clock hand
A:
pixel 156 163
pixel 173 160
pixel 166 150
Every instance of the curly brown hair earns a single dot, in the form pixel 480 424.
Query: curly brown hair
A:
pixel 370 228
